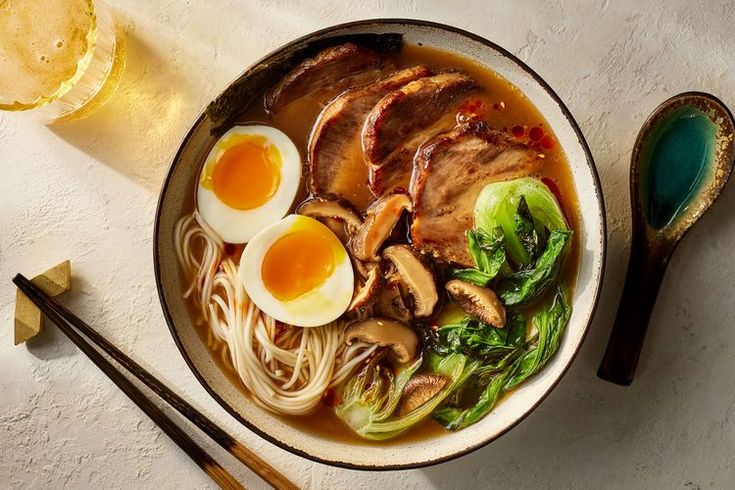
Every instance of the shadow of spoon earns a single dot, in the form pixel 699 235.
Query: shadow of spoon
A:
pixel 681 161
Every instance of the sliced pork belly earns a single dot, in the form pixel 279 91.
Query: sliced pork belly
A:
pixel 333 70
pixel 449 172
pixel 393 173
pixel 336 163
pixel 402 120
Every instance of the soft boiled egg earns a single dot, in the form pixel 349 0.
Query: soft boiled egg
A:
pixel 298 272
pixel 249 180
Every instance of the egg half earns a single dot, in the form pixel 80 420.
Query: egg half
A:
pixel 249 181
pixel 298 272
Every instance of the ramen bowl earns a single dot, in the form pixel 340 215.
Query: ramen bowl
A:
pixel 178 193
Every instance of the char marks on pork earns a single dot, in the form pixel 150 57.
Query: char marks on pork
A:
pixel 331 71
pixel 402 119
pixel 449 171
pixel 336 162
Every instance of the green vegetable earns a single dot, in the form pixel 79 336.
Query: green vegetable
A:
pixel 488 254
pixel 525 230
pixel 373 393
pixel 477 340
pixel 550 322
pixel 370 397
pixel 516 328
pixel 454 418
pixel 528 284
pixel 510 205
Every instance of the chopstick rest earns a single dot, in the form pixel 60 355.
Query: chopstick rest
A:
pixel 28 318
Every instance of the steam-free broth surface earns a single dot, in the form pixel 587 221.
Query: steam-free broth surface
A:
pixel 503 107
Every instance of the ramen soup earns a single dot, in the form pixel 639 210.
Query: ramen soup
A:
pixel 382 245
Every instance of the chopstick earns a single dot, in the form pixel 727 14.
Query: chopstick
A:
pixel 65 320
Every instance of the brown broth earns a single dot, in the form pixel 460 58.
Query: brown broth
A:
pixel 507 107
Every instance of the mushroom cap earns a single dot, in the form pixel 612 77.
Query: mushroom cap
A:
pixel 385 332
pixel 320 207
pixel 417 276
pixel 477 301
pixel 420 389
pixel 382 217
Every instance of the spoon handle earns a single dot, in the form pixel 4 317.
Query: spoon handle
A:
pixel 646 269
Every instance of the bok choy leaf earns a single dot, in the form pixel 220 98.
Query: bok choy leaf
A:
pixel 488 254
pixel 527 284
pixel 550 322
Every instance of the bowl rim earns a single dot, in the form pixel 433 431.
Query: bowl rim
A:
pixel 589 160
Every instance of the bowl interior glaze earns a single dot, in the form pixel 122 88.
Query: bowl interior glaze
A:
pixel 177 194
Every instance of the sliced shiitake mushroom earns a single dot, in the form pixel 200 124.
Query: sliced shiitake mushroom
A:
pixel 417 276
pixel 390 303
pixel 338 228
pixel 478 302
pixel 367 288
pixel 420 389
pixel 321 207
pixel 382 217
pixel 385 332
pixel 363 269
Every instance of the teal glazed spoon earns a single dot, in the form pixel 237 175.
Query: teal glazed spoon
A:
pixel 681 161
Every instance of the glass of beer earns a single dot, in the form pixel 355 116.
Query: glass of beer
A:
pixel 58 58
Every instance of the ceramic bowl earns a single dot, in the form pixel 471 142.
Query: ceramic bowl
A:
pixel 177 195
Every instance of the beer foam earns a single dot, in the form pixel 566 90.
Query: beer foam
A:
pixel 44 48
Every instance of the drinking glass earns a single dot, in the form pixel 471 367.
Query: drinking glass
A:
pixel 58 58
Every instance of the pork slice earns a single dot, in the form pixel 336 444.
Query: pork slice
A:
pixel 450 170
pixel 393 173
pixel 336 162
pixel 404 112
pixel 332 70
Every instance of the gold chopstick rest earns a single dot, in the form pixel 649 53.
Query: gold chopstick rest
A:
pixel 28 318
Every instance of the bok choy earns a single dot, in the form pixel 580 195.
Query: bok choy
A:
pixel 489 384
pixel 370 399
pixel 524 209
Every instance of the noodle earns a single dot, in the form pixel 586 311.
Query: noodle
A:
pixel 286 369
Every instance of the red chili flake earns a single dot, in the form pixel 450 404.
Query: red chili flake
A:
pixel 496 106
pixel 548 142
pixel 471 109
pixel 536 133
pixel 518 131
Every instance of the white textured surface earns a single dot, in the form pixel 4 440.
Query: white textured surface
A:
pixel 87 191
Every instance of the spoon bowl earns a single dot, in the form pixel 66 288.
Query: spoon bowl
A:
pixel 681 161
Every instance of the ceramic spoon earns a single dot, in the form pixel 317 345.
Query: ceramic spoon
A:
pixel 682 159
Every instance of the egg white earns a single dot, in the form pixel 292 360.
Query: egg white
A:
pixel 237 225
pixel 317 307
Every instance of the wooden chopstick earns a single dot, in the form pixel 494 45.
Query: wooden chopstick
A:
pixel 65 319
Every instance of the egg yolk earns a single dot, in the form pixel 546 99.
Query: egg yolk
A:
pixel 247 174
pixel 298 262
